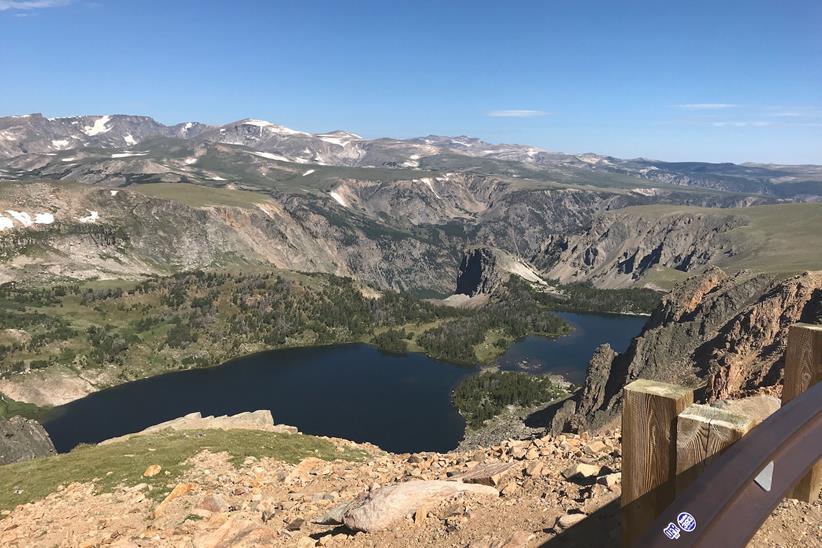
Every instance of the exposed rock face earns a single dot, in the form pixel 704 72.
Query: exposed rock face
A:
pixel 23 439
pixel 484 270
pixel 728 331
pixel 749 350
pixel 620 247
pixel 249 420
pixel 596 379
pixel 136 234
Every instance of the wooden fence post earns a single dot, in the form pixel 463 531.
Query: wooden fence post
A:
pixel 649 418
pixel 803 368
pixel 703 431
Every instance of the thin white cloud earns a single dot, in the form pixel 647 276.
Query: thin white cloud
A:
pixel 706 106
pixel 794 112
pixel 517 113
pixel 741 124
pixel 6 5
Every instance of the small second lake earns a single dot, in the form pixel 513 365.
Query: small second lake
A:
pixel 568 356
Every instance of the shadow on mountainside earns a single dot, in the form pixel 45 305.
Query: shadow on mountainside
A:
pixel 543 417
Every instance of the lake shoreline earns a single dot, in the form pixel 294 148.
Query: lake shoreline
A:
pixel 375 368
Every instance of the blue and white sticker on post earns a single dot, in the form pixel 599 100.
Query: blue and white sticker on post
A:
pixel 684 522
pixel 671 531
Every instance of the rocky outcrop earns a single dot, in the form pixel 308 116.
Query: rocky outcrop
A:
pixel 596 379
pixel 23 439
pixel 726 331
pixel 621 247
pixel 749 350
pixel 484 270
pixel 249 420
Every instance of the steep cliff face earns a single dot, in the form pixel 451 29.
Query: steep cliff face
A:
pixel 622 247
pixel 727 331
pixel 661 244
pixel 126 233
pixel 749 350
pixel 484 270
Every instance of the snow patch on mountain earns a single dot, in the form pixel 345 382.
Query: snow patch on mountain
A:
pixel 90 218
pixel 272 128
pixel 339 141
pixel 5 223
pixel 43 218
pixel 593 159
pixel 26 219
pixel 99 126
pixel 271 156
pixel 339 138
pixel 130 141
pixel 429 183
pixel 59 143
pixel 309 172
pixel 128 154
pixel 21 217
pixel 258 123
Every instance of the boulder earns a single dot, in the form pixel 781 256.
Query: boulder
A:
pixel 534 468
pixel 212 502
pixel 610 480
pixel 179 490
pixel 152 470
pixel 23 439
pixel 569 520
pixel 383 507
pixel 236 533
pixel 581 471
pixel 487 474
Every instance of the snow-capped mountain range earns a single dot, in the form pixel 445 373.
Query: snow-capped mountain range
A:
pixel 84 147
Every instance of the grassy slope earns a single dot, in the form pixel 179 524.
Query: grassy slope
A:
pixel 200 196
pixel 10 407
pixel 124 463
pixel 784 238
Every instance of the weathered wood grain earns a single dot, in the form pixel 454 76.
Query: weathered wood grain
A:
pixel 649 421
pixel 702 432
pixel 803 368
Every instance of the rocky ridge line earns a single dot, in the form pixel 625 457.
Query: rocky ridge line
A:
pixel 728 332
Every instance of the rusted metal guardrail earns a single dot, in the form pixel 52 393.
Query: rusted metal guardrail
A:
pixel 739 489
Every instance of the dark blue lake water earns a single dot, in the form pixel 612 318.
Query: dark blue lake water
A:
pixel 569 355
pixel 400 402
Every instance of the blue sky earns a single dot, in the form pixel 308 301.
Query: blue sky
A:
pixel 713 81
